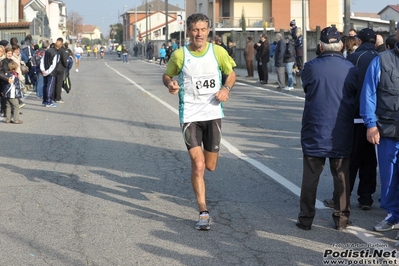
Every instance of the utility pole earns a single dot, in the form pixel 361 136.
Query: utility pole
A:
pixel 166 23
pixel 146 23
pixel 213 18
pixel 347 15
pixel 304 32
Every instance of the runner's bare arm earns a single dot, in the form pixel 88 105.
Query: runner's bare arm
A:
pixel 171 84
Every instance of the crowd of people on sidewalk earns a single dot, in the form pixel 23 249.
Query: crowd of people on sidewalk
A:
pixel 351 117
pixel 42 68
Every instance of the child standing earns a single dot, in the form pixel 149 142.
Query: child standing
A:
pixel 12 92
pixel 162 55
pixel 125 54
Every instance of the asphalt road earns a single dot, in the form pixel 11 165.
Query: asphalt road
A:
pixel 104 179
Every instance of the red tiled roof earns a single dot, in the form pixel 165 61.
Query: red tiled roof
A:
pixel 88 28
pixel 394 7
pixel 14 25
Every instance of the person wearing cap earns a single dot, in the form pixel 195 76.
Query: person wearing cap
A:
pixel 4 43
pixel 363 159
pixel 329 83
pixel 379 100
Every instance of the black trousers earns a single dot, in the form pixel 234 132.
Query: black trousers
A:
pixel 363 161
pixel 260 70
pixel 265 72
pixel 312 168
pixel 58 85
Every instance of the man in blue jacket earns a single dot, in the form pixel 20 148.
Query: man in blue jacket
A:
pixel 379 102
pixel 363 158
pixel 327 127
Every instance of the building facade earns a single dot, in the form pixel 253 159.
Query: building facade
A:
pixel 275 14
pixel 148 22
pixel 43 19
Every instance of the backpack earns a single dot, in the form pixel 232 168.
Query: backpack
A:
pixel 69 63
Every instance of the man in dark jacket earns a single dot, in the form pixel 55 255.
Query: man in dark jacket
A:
pixel 262 57
pixel 363 158
pixel 327 127
pixel 48 66
pixel 60 75
pixel 279 60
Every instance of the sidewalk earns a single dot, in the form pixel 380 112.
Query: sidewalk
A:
pixel 272 82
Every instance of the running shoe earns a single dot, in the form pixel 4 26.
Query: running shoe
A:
pixel 51 105
pixel 385 226
pixel 204 222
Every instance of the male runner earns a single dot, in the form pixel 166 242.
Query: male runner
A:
pixel 199 67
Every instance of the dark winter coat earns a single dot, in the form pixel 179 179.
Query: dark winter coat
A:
pixel 279 54
pixel 289 54
pixel 362 58
pixel 6 87
pixel 329 82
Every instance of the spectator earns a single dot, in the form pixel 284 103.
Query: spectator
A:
pixel 249 54
pixel 379 44
pixel 350 45
pixel 231 49
pixel 363 160
pixel 299 50
pixel 352 33
pixel 327 128
pixel 279 61
pixel 390 42
pixel 381 121
pixel 289 61
pixel 12 92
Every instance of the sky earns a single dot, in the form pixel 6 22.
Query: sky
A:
pixel 103 13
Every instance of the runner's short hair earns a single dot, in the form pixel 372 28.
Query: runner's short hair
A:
pixel 194 18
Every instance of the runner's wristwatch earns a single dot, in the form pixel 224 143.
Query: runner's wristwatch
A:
pixel 227 87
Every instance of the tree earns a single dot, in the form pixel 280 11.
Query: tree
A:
pixel 243 21
pixel 117 32
pixel 74 23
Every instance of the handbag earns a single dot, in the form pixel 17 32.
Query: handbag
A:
pixel 66 85
pixel 24 69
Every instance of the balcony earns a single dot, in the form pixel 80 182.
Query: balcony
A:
pixel 251 22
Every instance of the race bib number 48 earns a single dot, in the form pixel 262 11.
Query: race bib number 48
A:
pixel 206 84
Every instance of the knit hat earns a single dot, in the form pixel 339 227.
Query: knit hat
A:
pixel 292 23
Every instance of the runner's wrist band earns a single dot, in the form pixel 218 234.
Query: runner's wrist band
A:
pixel 227 87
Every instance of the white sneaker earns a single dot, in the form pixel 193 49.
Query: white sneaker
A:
pixel 288 88
pixel 77 70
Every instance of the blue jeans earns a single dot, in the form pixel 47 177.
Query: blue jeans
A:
pixel 388 154
pixel 124 56
pixel 39 84
pixel 288 69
